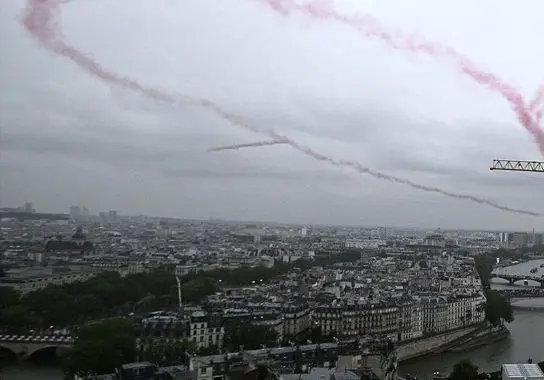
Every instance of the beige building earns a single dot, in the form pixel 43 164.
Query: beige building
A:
pixel 444 313
pixel 295 316
pixel 204 332
pixel 353 320
pixel 411 325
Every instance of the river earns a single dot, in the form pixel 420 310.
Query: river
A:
pixel 29 371
pixel 526 341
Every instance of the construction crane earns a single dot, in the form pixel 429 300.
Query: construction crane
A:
pixel 518 166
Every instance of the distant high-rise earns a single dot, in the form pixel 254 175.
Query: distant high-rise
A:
pixel 504 239
pixel 113 215
pixel 75 211
pixel 516 239
pixel 28 207
pixel 537 240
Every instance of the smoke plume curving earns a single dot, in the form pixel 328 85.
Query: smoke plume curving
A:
pixel 40 19
pixel 369 26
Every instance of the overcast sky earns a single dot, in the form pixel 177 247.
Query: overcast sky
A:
pixel 69 139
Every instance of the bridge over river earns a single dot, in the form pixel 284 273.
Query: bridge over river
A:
pixel 523 292
pixel 512 278
pixel 24 346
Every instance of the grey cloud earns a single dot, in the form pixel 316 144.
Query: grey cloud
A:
pixel 257 172
pixel 179 163
pixel 100 150
pixel 318 82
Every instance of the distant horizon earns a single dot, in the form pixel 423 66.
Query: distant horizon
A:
pixel 281 223
pixel 315 134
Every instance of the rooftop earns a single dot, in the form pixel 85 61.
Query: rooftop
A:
pixel 523 371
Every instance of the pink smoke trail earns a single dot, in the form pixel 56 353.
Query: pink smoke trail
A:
pixel 369 26
pixel 539 97
pixel 249 145
pixel 39 20
pixel 537 105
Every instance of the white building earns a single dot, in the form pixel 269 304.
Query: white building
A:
pixel 27 284
pixel 203 333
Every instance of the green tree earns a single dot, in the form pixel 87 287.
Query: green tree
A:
pixel 89 306
pixel 464 370
pixel 108 294
pixel 17 317
pixel 178 350
pixel 101 347
pixel 53 305
pixel 8 297
pixel 484 267
pixel 164 352
pixel 498 308
pixel 195 290
pixel 493 376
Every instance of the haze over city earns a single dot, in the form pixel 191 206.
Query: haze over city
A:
pixel 68 138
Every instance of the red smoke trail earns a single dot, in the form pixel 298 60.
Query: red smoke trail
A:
pixel 39 20
pixel 539 97
pixel 537 105
pixel 369 26
pixel 249 145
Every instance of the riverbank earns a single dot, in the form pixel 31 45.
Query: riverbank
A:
pixel 487 336
pixel 528 307
pixel 524 341
pixel 437 343
pixel 460 340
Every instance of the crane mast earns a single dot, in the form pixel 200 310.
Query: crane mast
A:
pixel 518 166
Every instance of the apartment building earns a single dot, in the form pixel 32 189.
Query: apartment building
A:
pixel 225 366
pixel 183 270
pixel 444 313
pixel 205 330
pixel 435 311
pixel 352 320
pixel 465 282
pixel 269 318
pixel 295 315
pixel 411 325
pixel 109 267
pixel 477 302
pixel 295 318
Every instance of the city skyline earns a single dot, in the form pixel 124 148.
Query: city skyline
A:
pixel 81 211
